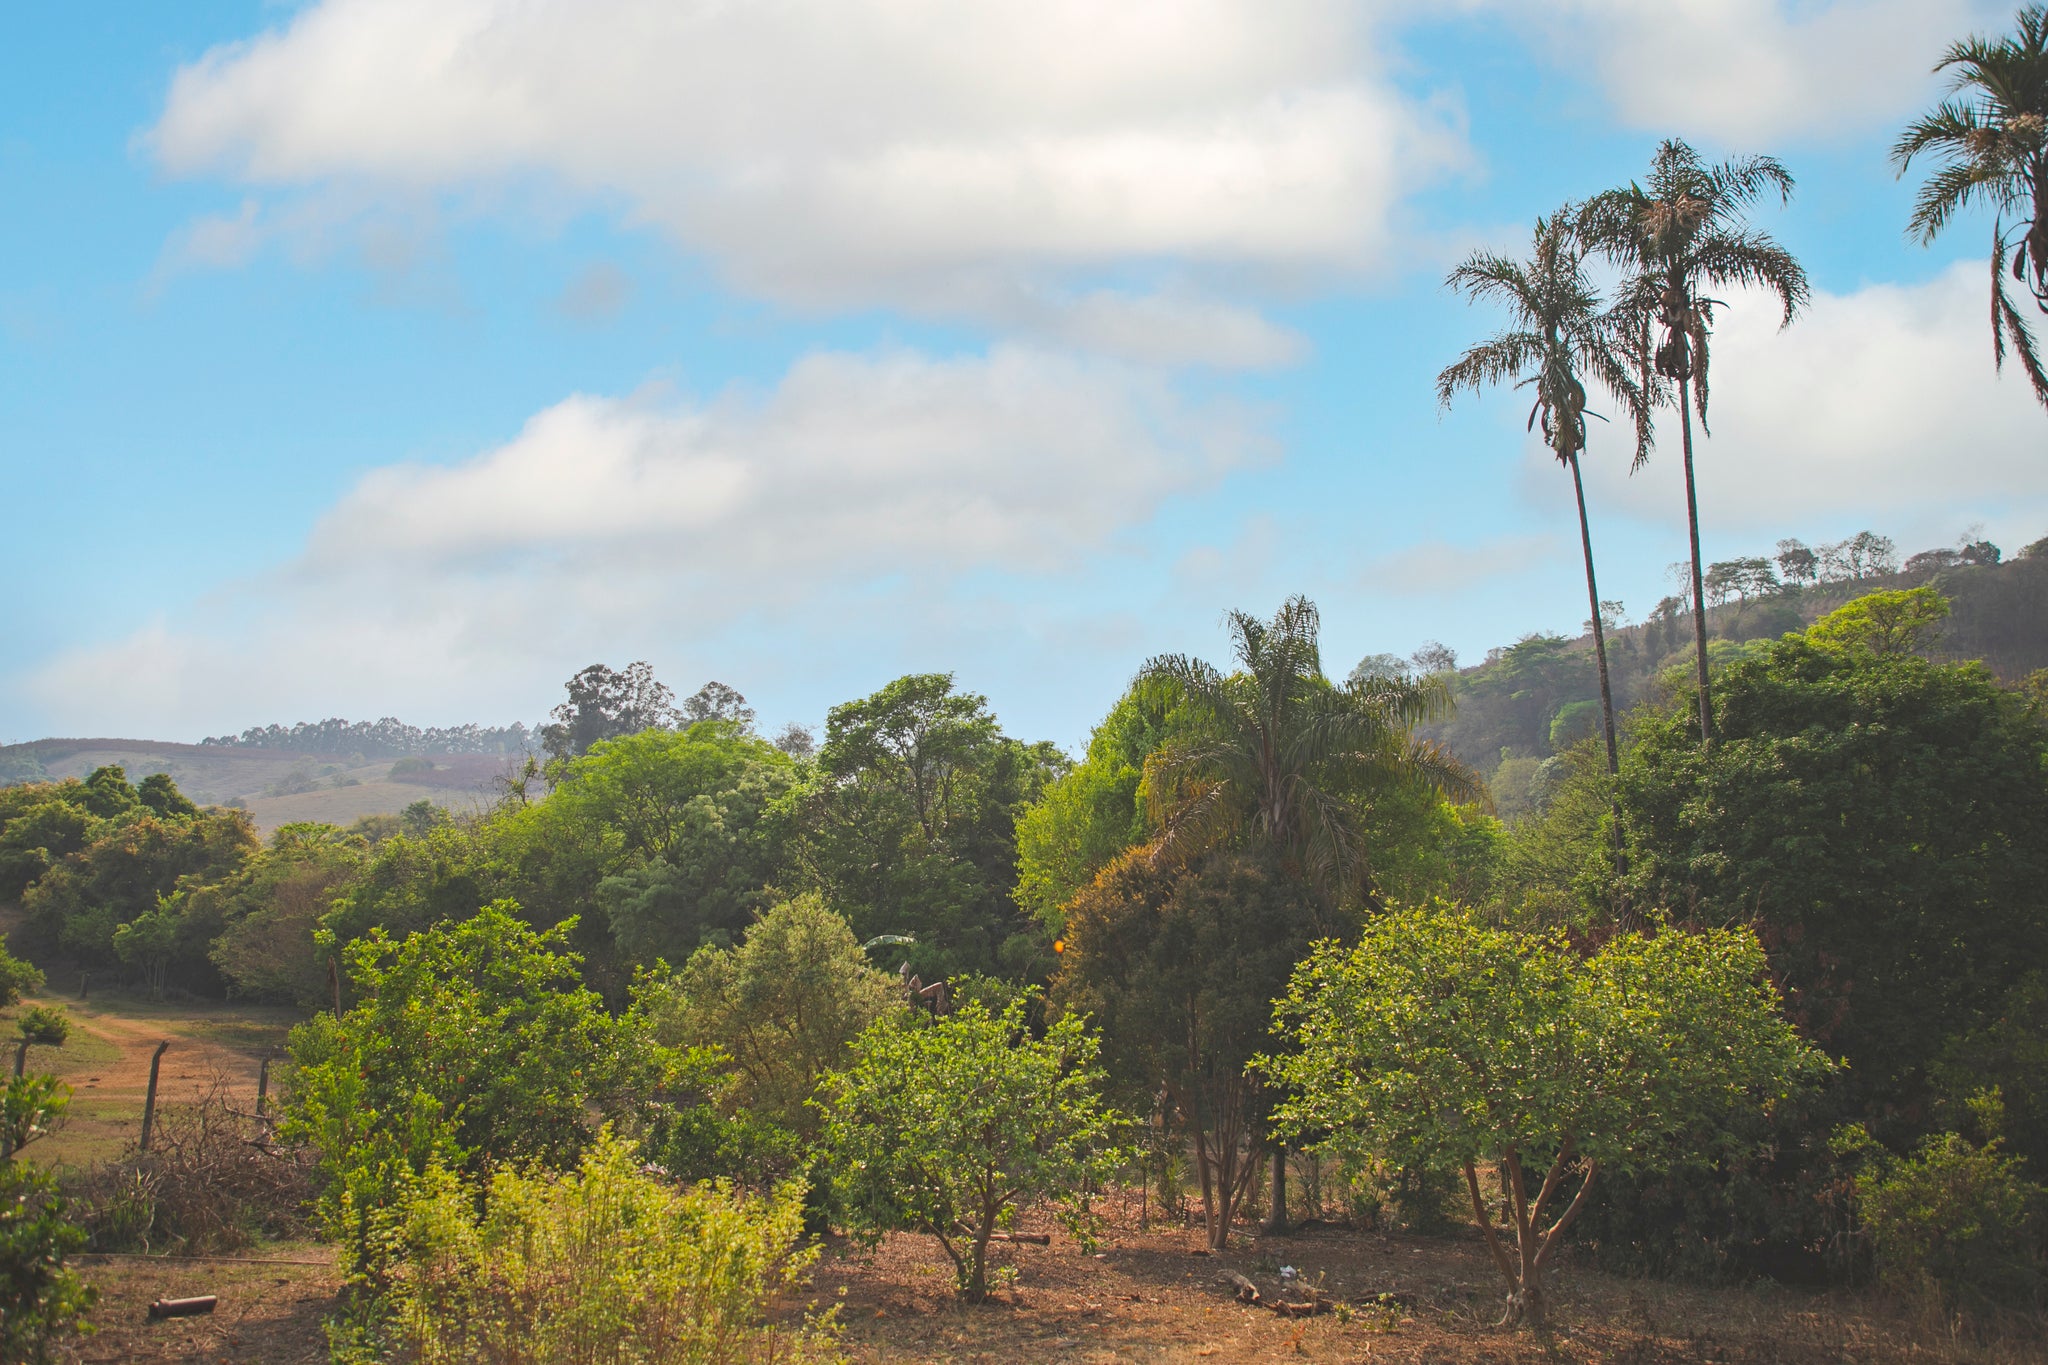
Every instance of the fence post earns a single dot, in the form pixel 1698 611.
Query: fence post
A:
pixel 149 1101
pixel 262 1084
pixel 83 979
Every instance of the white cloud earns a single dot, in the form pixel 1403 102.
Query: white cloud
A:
pixel 825 152
pixel 1754 71
pixel 1880 405
pixel 859 497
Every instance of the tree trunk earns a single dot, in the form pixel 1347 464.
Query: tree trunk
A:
pixel 1699 597
pixel 1606 688
pixel 1276 1216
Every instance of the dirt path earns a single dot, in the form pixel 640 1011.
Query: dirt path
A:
pixel 107 1059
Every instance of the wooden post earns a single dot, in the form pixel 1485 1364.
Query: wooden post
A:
pixel 149 1101
pixel 21 1058
pixel 262 1084
pixel 83 979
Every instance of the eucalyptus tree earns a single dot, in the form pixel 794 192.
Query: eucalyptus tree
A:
pixel 1557 336
pixel 1680 232
pixel 1992 134
pixel 1277 755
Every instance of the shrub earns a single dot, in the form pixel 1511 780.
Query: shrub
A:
pixel 209 1182
pixel 603 1264
pixel 45 1024
pixel 17 978
pixel 1959 1221
pixel 944 1128
pixel 41 1297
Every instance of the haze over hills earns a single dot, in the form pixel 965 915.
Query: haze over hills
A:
pixel 1517 709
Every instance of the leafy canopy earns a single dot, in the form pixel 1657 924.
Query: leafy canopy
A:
pixel 1440 1040
pixel 945 1128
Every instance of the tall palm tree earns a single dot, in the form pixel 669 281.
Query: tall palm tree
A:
pixel 1277 753
pixel 1556 333
pixel 1681 232
pixel 1993 135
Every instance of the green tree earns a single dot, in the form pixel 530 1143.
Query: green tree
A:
pixel 17 978
pixel 1179 964
pixel 1678 234
pixel 946 1128
pixel 158 793
pixel 269 912
pixel 1992 136
pixel 606 703
pixel 1883 820
pixel 1900 621
pixel 41 1297
pixel 1092 813
pixel 1276 754
pixel 784 1005
pixel 1557 337
pixel 1440 1041
pixel 910 826
pixel 473 1044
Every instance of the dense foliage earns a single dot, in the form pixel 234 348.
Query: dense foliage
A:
pixel 1439 1040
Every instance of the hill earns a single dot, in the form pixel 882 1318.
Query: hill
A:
pixel 1530 700
pixel 275 786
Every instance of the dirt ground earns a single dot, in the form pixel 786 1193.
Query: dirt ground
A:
pixel 1152 1296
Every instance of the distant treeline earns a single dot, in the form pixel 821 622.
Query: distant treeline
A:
pixel 386 738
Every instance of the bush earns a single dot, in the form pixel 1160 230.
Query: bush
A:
pixel 40 1297
pixel 944 1128
pixel 45 1024
pixel 17 978
pixel 209 1182
pixel 1959 1221
pixel 604 1264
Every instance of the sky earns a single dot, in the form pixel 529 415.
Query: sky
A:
pixel 368 357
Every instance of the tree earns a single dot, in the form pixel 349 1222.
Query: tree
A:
pixel 909 826
pixel 1677 235
pixel 784 1005
pixel 604 704
pixel 1440 1040
pixel 40 1296
pixel 1883 821
pixel 946 1128
pixel 1275 754
pixel 1558 337
pixel 1797 563
pixel 473 1045
pixel 1902 621
pixel 1093 812
pixel 1992 136
pixel 715 701
pixel 17 978
pixel 269 912
pixel 1179 966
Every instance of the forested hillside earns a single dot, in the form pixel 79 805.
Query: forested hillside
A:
pixel 1533 699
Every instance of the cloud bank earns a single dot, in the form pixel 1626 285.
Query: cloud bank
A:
pixel 861 494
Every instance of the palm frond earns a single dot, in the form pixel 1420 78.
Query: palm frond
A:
pixel 2008 321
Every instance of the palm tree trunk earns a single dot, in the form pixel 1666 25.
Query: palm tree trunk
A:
pixel 1606 688
pixel 1599 632
pixel 1699 597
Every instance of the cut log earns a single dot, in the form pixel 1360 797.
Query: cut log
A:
pixel 182 1308
pixel 1247 1292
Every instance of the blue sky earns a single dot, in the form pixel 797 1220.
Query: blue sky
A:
pixel 366 358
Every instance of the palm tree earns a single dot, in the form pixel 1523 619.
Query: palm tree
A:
pixel 1277 753
pixel 1993 133
pixel 1557 333
pixel 1678 234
